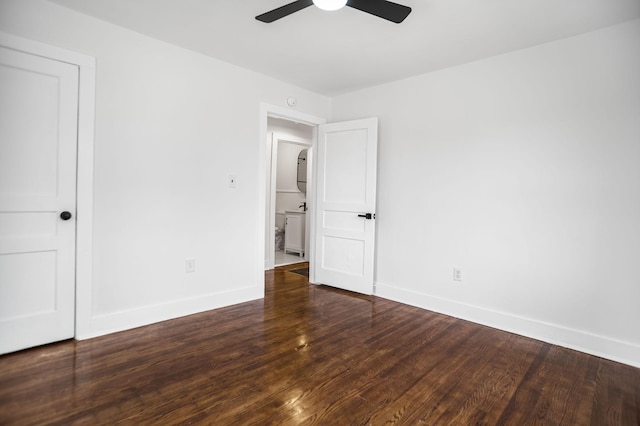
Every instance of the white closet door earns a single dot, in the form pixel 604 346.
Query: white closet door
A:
pixel 38 145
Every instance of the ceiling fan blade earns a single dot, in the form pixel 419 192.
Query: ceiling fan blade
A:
pixel 384 9
pixel 281 12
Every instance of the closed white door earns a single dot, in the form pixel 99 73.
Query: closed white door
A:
pixel 345 205
pixel 38 144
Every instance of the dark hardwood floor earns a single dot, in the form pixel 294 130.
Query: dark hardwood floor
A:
pixel 315 355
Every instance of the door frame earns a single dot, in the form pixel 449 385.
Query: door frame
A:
pixel 84 183
pixel 269 110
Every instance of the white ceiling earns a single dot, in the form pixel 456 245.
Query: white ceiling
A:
pixel 337 52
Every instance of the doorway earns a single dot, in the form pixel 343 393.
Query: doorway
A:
pixel 284 121
pixel 290 150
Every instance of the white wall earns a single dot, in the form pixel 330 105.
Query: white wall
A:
pixel 171 125
pixel 287 168
pixel 288 196
pixel 524 170
pixel 289 128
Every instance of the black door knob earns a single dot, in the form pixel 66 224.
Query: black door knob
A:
pixel 65 215
pixel 368 216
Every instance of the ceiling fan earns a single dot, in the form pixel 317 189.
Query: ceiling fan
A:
pixel 384 9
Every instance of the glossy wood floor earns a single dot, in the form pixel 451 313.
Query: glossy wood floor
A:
pixel 315 355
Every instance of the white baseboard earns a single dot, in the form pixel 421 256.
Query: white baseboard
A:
pixel 602 346
pixel 126 320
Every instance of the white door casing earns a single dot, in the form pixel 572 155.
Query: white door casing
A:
pixel 346 159
pixel 38 151
pixel 266 111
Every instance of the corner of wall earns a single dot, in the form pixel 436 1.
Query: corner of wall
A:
pixel 601 346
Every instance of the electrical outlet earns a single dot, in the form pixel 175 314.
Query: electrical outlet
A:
pixel 190 265
pixel 457 274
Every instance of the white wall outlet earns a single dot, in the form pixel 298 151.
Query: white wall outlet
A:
pixel 233 180
pixel 190 265
pixel 457 274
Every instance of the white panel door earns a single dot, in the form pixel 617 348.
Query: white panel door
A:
pixel 38 140
pixel 345 204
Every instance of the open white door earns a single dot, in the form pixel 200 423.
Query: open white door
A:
pixel 345 205
pixel 38 141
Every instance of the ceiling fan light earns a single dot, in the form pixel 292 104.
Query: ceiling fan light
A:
pixel 330 4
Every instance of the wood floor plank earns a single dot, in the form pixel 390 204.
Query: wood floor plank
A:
pixel 314 355
pixel 487 378
pixel 617 396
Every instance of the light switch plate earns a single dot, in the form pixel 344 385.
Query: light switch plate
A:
pixel 457 274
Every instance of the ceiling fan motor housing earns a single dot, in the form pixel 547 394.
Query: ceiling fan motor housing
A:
pixel 330 4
